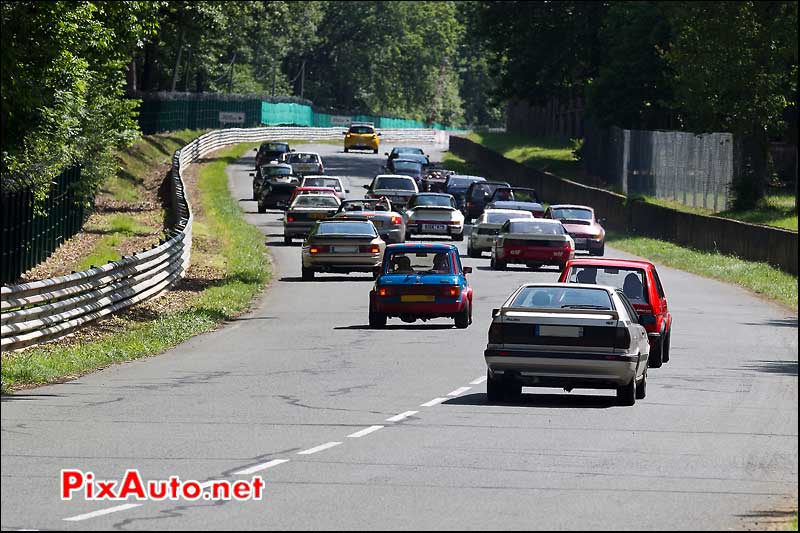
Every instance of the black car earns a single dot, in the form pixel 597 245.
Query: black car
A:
pixel 407 167
pixel 271 151
pixel 477 196
pixel 399 151
pixel 457 185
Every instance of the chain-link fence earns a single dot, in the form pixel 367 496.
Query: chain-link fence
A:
pixel 695 170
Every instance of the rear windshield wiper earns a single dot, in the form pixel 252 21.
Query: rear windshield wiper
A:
pixel 585 306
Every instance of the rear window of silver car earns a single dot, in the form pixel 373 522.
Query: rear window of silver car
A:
pixel 303 158
pixel 501 218
pixel 323 182
pixel 562 298
pixel 315 200
pixel 346 228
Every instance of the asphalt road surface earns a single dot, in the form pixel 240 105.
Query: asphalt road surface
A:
pixel 296 389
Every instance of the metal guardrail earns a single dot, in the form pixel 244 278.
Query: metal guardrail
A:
pixel 44 310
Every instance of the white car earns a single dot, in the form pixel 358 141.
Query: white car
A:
pixel 397 189
pixel 487 226
pixel 567 336
pixel 431 213
pixel 305 163
pixel 334 182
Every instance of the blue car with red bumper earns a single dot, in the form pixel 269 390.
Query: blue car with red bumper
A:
pixel 421 281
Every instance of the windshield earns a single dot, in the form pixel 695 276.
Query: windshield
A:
pixel 517 195
pixel 277 147
pixel 402 184
pixel 276 171
pixel 420 263
pixel 433 200
pixel 361 130
pixel 366 205
pixel 315 200
pixel 562 298
pixel 407 166
pixel 572 213
pixel 500 218
pixel 632 281
pixel 323 182
pixel 345 228
pixel 480 189
pixel 303 158
pixel 536 228
pixel 460 183
pixel 407 150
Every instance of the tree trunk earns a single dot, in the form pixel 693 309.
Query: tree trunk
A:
pixel 132 75
pixel 178 61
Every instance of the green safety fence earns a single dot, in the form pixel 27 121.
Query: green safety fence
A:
pixel 159 115
pixel 290 114
pixel 30 237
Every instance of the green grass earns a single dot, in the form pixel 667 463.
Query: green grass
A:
pixel 247 272
pixel 757 277
pixel 453 162
pixel 104 251
pixel 793 525
pixel 554 156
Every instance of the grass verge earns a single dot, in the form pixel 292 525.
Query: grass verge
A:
pixel 757 277
pixel 246 273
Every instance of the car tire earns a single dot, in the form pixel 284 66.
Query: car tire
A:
pixel 656 355
pixel 375 151
pixel 287 240
pixel 665 348
pixel 494 388
pixel 376 320
pixel 255 195
pixel 598 251
pixel 459 237
pixel 498 265
pixel 471 252
pixel 462 319
pixel 626 395
pixel 262 208
pixel 346 150
pixel 307 274
pixel 641 387
pixel 512 390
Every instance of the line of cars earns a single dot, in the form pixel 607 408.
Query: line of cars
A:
pixel 602 325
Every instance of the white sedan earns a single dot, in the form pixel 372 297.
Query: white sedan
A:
pixel 487 226
pixel 434 214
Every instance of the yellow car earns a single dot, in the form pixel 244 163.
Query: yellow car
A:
pixel 361 136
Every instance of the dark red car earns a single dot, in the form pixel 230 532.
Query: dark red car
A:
pixel 640 282
pixel 580 222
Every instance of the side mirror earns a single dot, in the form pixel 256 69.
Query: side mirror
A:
pixel 344 133
pixel 252 174
pixel 495 312
pixel 380 134
pixel 291 150
pixel 601 221
pixel 386 154
pixel 347 190
pixel 366 187
pixel 255 149
pixel 467 270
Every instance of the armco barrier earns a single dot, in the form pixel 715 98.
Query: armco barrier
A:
pixel 44 310
pixel 752 242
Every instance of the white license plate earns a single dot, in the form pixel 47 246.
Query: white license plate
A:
pixel 581 242
pixel 560 331
pixel 434 227
pixel 344 249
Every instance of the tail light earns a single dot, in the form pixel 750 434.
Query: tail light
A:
pixel 450 291
pixel 384 291
pixel 315 249
pixel 396 220
pixel 289 218
pixel 321 169
pixel 496 333
pixel 622 339
pixel 370 249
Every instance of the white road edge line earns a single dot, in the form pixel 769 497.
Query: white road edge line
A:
pixel 459 391
pixel 433 402
pixel 363 432
pixel 478 381
pixel 102 512
pixel 397 418
pixel 319 448
pixel 262 466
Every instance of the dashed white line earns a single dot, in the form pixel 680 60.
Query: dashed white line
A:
pixel 102 512
pixel 259 468
pixel 397 418
pixel 433 402
pixel 319 448
pixel 478 381
pixel 363 432
pixel 459 391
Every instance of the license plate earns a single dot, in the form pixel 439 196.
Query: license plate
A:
pixel 377 223
pixel 318 215
pixel 515 252
pixel 581 242
pixel 417 298
pixel 344 249
pixel 434 227
pixel 558 331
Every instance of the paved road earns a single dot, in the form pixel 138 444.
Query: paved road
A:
pixel 712 445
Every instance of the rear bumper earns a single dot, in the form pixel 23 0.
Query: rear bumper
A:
pixel 296 229
pixel 586 244
pixel 420 309
pixel 393 235
pixel 535 255
pixel 481 242
pixel 413 228
pixel 342 262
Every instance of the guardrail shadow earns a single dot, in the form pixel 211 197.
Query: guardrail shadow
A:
pixel 548 401
pixel 426 327
pixel 786 368
pixel 327 279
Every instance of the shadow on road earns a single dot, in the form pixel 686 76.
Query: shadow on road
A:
pixel 326 279
pixel 24 397
pixel 779 322
pixel 786 368
pixel 550 401
pixel 400 326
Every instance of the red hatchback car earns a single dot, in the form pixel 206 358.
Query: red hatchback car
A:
pixel 640 282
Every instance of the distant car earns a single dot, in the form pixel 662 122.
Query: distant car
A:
pixel 487 226
pixel 533 242
pixel 581 223
pixel 457 185
pixel 419 282
pixel 397 151
pixel 361 136
pixel 430 213
pixel 277 188
pixel 566 336
pixel 335 182
pixel 269 171
pixel 271 151
pixel 477 196
pixel 520 198
pixel 640 282
pixel 330 191
pixel 397 189
pixel 407 167
pixel 344 246
pixel 390 224
pixel 304 212
pixel 304 163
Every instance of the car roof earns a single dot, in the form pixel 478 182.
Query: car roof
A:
pixel 557 285
pixel 277 165
pixel 322 176
pixel 422 245
pixel 501 210
pixel 395 176
pixel 305 153
pixel 402 160
pixel 571 206
pixel 265 143
pixel 602 261
pixel 503 183
pixel 542 220
pixel 434 194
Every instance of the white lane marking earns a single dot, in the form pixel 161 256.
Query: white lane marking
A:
pixel 363 432
pixel 259 468
pixel 459 391
pixel 102 512
pixel 397 418
pixel 433 402
pixel 478 381
pixel 319 448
